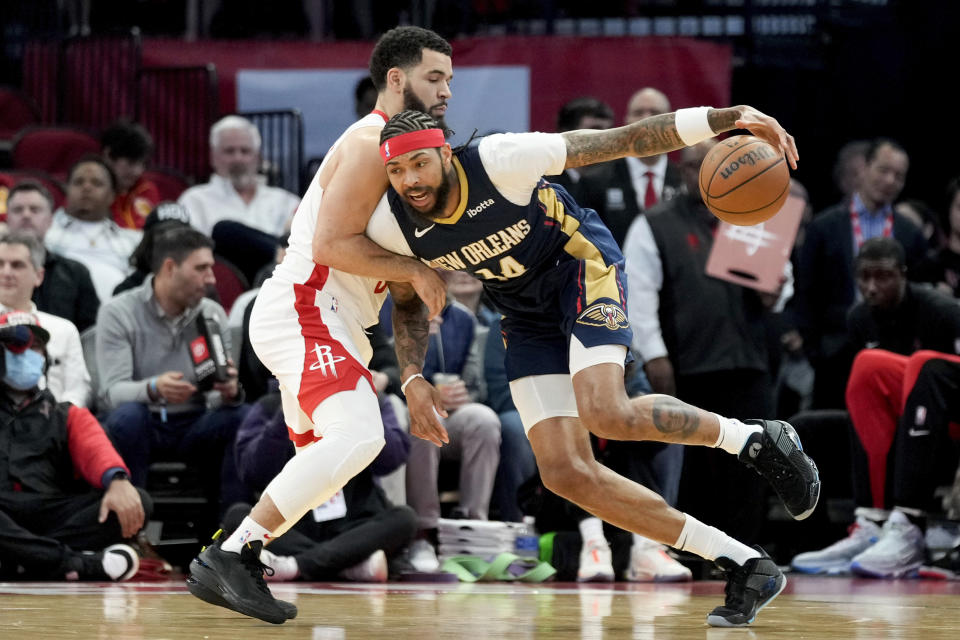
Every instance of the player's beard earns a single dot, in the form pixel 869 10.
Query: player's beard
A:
pixel 441 196
pixel 413 103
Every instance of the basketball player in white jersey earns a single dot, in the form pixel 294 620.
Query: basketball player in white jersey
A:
pixel 308 322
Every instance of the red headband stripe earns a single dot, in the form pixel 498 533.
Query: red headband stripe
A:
pixel 406 142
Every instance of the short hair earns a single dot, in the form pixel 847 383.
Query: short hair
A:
pixel 403 47
pixel 177 242
pixel 38 255
pixel 883 249
pixel 571 113
pixel 234 122
pixel 405 122
pixel 876 144
pixel 25 186
pixel 93 158
pixel 127 139
pixel 849 151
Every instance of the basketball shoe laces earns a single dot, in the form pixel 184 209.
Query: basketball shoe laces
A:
pixel 250 558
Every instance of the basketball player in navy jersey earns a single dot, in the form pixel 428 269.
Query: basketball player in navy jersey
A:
pixel 555 273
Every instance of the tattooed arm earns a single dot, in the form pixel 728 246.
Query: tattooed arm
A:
pixel 411 335
pixel 658 134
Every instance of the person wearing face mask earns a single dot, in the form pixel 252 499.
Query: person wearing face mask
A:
pixel 66 501
pixel 21 271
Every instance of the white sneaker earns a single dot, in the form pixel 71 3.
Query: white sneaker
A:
pixel 373 569
pixel 837 557
pixel 120 562
pixel 423 556
pixel 596 563
pixel 897 554
pixel 285 568
pixel 651 563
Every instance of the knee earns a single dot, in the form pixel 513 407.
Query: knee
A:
pixel 481 425
pixel 128 419
pixel 607 418
pixel 570 479
pixel 147 502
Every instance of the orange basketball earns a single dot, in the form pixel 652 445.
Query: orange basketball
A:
pixel 744 180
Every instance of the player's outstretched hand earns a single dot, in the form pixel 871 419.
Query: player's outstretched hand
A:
pixel 430 288
pixel 767 128
pixel 426 408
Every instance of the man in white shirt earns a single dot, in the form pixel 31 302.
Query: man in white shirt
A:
pixel 620 190
pixel 21 271
pixel 84 229
pixel 235 191
pixel 236 207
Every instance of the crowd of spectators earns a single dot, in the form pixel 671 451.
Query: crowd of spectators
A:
pixel 866 322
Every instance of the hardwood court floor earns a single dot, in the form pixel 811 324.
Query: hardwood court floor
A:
pixel 808 608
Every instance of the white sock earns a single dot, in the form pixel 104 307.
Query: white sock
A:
pixel 711 543
pixel 734 434
pixel 114 564
pixel 248 531
pixel 591 530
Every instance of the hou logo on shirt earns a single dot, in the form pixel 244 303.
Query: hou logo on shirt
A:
pixel 199 350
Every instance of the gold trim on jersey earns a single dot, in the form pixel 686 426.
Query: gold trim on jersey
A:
pixel 464 193
pixel 600 280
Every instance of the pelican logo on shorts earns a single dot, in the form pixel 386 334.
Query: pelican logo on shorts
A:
pixel 604 314
pixel 199 350
pixel 326 362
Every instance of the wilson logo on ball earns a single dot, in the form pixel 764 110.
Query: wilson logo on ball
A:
pixel 744 180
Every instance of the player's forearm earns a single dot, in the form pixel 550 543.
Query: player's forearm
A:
pixel 648 137
pixel 359 255
pixel 411 334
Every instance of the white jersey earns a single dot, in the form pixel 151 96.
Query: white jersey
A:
pixel 360 296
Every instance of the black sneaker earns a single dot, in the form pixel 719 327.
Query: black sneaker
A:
pixel 777 455
pixel 235 581
pixel 749 588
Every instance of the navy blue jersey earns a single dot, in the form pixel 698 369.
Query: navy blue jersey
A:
pixel 549 266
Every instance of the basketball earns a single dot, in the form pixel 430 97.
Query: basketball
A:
pixel 744 180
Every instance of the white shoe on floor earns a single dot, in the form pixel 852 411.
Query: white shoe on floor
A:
pixel 596 563
pixel 650 562
pixel 373 569
pixel 423 556
pixel 285 568
pixel 837 557
pixel 898 553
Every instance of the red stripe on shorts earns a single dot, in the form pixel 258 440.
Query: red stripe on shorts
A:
pixel 328 367
pixel 302 439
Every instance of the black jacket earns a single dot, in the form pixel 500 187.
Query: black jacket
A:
pixel 925 319
pixel 67 291
pixel 826 284
pixel 608 190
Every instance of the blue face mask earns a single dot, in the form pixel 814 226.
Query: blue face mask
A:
pixel 24 370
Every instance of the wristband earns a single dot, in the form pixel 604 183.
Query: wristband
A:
pixel 692 125
pixel 152 386
pixel 403 387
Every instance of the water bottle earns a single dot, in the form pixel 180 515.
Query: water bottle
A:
pixel 527 542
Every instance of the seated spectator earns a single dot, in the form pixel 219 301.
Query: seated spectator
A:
pixel 896 328
pixel 452 363
pixel 164 216
pixel 253 214
pixel 356 535
pixel 126 146
pixel 146 346
pixel 942 268
pixel 21 270
pixel 67 290
pixel 83 229
pixel 920 214
pixel 64 490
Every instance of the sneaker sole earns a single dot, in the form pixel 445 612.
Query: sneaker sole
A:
pixel 206 578
pixel 600 577
pixel 909 571
pixel 787 431
pixel 831 569
pixel 212 597
pixel 717 621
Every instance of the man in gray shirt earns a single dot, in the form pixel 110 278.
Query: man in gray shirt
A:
pixel 149 352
